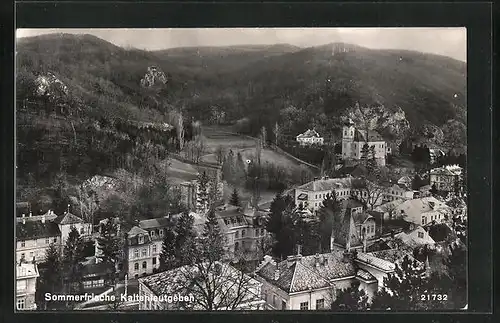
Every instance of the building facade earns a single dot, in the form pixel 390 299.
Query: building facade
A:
pixel 311 282
pixel 310 137
pixel 26 279
pixel 422 211
pixel 447 179
pixel 139 252
pixel 354 139
pixel 399 192
pixel 312 194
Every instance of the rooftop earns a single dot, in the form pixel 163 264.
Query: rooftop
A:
pixel 36 230
pixel 309 134
pixel 303 274
pixel 416 207
pixel 154 223
pixel 326 184
pixel 68 218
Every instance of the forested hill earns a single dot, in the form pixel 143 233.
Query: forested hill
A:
pixel 298 88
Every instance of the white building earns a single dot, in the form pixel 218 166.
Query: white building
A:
pixel 416 237
pixel 423 210
pixel 312 194
pixel 26 277
pixel 399 192
pixel 310 282
pixel 446 178
pixel 310 137
pixel 354 139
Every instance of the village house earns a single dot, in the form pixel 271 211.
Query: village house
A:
pixel 26 280
pixel 423 210
pixel 156 231
pixel 155 289
pixel 312 194
pixel 311 282
pixel 243 229
pixel 139 252
pixel 416 237
pixel 447 178
pixel 354 139
pixel 310 137
pixel 399 191
pixel 35 234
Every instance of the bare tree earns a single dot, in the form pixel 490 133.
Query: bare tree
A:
pixel 180 130
pixel 88 203
pixel 368 192
pixel 263 136
pixel 277 133
pixel 220 152
pixel 218 286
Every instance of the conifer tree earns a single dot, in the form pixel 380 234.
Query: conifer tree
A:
pixel 73 255
pixel 351 298
pixel 235 198
pixel 212 239
pixel 167 255
pixel 109 242
pixel 52 279
pixel 184 240
pixel 403 289
pixel 202 197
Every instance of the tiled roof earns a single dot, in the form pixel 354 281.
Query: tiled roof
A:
pixel 136 231
pixel 36 230
pixel 441 171
pixel 154 223
pixel 365 275
pixel 416 207
pixel 370 258
pixel 68 218
pixel 179 279
pixel 394 256
pixel 309 133
pixel 354 170
pixel 303 274
pixel 360 135
pixel 360 218
pixel 346 233
pixel 326 184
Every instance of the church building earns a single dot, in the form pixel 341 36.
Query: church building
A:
pixel 354 139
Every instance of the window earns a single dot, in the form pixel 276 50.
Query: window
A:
pixel 22 256
pixel 21 303
pixel 136 253
pixel 304 306
pixel 144 252
pixel 31 255
pixel 154 261
pixel 320 304
pixel 237 234
pixel 144 265
pixel 423 220
pixel 283 305
pixel 236 246
pixel 47 240
pixel 136 266
pixel 256 232
pixel 274 300
pixel 421 235
pixel 243 233
pixel 55 240
pixel 243 245
pixel 23 244
pixel 154 248
pixel 262 231
pixel 141 239
pixel 82 230
pixel 161 232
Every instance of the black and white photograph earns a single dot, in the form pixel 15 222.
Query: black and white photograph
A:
pixel 241 169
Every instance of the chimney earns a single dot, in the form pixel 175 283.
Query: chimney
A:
pixel 316 260
pixel 31 214
pixel 43 218
pixel 23 215
pixel 24 220
pixel 276 274
pixel 299 250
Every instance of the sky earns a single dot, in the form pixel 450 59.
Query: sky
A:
pixel 442 41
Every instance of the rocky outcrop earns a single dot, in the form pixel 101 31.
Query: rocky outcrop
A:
pixel 50 85
pixel 392 125
pixel 154 76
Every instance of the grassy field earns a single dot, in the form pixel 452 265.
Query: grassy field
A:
pixel 272 157
pixel 227 141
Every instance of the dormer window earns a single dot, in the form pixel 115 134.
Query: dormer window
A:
pixel 161 232
pixel 141 239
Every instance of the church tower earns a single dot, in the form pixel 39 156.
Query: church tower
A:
pixel 347 139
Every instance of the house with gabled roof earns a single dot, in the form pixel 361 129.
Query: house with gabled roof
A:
pixel 416 237
pixel 422 211
pixel 310 282
pixel 67 221
pixel 33 238
pixel 447 178
pixel 310 137
pixel 139 252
